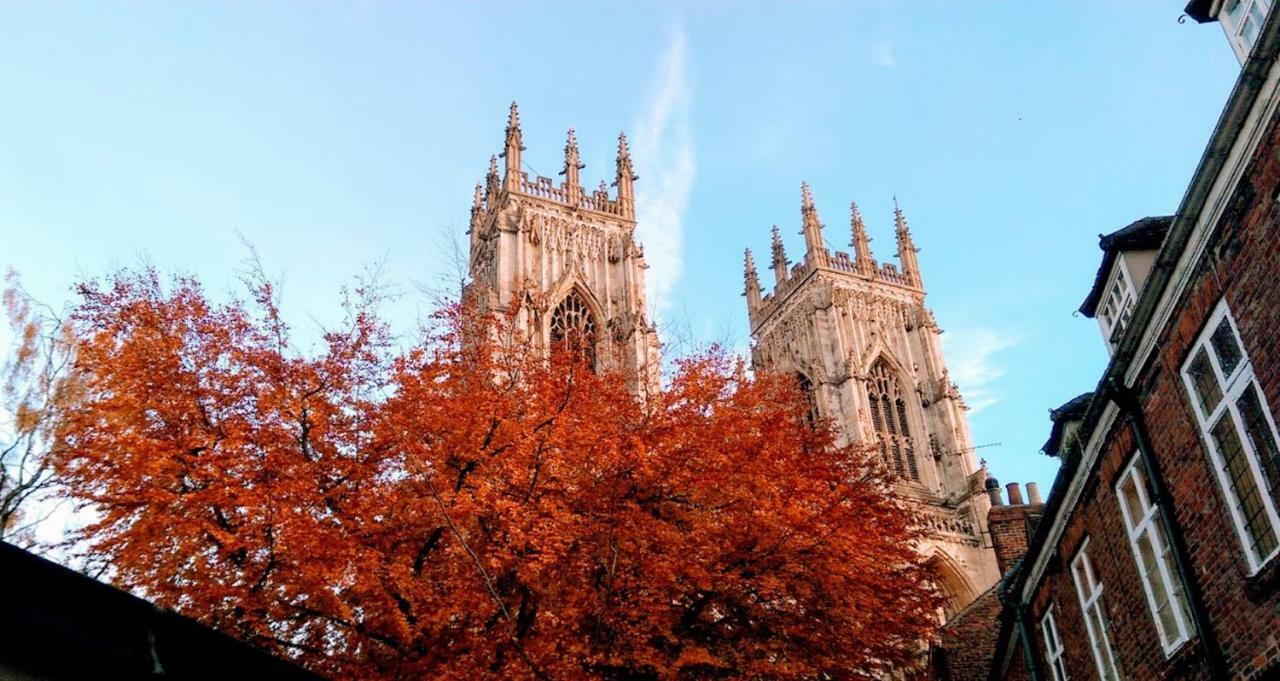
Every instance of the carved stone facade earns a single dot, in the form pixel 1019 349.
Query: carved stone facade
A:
pixel 565 259
pixel 858 335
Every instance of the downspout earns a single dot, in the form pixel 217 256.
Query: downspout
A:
pixel 1019 619
pixel 1126 400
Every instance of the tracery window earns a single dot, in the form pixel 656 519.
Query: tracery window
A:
pixel 806 387
pixel 889 420
pixel 573 327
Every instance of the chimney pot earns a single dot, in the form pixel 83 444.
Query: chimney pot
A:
pixel 1033 493
pixel 993 492
pixel 1015 494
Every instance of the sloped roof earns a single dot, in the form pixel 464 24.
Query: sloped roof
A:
pixel 1141 235
pixel 1072 410
pixel 1202 11
pixel 59 624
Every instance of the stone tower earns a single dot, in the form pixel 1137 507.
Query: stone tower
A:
pixel 565 258
pixel 857 336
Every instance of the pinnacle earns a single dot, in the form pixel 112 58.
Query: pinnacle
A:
pixel 624 152
pixel 513 118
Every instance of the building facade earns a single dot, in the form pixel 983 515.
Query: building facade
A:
pixel 1158 552
pixel 858 337
pixel 563 259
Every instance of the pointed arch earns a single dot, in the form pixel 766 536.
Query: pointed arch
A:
pixel 807 387
pixel 955 586
pixel 888 404
pixel 575 322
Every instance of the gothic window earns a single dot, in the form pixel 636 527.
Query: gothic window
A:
pixel 888 408
pixel 573 327
pixel 806 387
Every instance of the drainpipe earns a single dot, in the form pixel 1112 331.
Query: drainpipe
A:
pixel 1019 619
pixel 1126 399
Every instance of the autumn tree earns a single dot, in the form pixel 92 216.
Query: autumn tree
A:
pixel 36 387
pixel 467 507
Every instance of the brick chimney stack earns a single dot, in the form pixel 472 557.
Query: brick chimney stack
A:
pixel 1013 524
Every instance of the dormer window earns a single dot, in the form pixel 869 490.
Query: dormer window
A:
pixel 1128 256
pixel 1242 20
pixel 1117 305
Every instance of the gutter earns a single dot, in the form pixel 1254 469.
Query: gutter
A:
pixel 1012 610
pixel 1127 400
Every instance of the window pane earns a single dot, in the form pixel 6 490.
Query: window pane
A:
pixel 1208 392
pixel 1259 433
pixel 1225 347
pixel 1103 645
pixel 1132 504
pixel 1252 25
pixel 1179 593
pixel 1164 616
pixel 1248 497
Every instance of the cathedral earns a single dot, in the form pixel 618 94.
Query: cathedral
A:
pixel 566 258
pixel 855 333
pixel 857 336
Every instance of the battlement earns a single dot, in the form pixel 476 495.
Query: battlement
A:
pixel 570 193
pixel 860 265
pixel 543 187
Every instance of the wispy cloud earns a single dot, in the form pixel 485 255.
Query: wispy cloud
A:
pixel 884 49
pixel 884 53
pixel 663 148
pixel 972 357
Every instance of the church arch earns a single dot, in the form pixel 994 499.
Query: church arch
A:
pixel 575 325
pixel 956 588
pixel 807 388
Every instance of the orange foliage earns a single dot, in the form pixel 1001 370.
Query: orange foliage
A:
pixel 468 510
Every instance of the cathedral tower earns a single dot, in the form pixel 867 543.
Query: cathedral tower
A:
pixel 857 336
pixel 565 258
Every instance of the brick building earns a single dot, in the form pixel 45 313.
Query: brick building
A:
pixel 1158 552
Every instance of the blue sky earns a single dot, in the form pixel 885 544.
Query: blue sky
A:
pixel 333 135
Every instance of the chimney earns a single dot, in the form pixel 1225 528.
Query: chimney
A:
pixel 993 492
pixel 1011 526
pixel 1015 494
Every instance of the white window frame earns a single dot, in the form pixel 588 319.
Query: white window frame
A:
pixel 1054 651
pixel 1096 623
pixel 1120 286
pixel 1235 30
pixel 1232 388
pixel 1152 527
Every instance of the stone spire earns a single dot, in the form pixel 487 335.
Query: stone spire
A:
pixel 491 182
pixel 572 164
pixel 752 291
pixel 906 247
pixel 779 258
pixel 477 205
pixel 861 242
pixel 513 148
pixel 626 178
pixel 812 229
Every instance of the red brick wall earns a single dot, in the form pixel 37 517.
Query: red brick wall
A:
pixel 1242 264
pixel 966 643
pixel 1011 528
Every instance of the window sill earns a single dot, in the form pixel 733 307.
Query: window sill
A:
pixel 1184 660
pixel 1262 584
